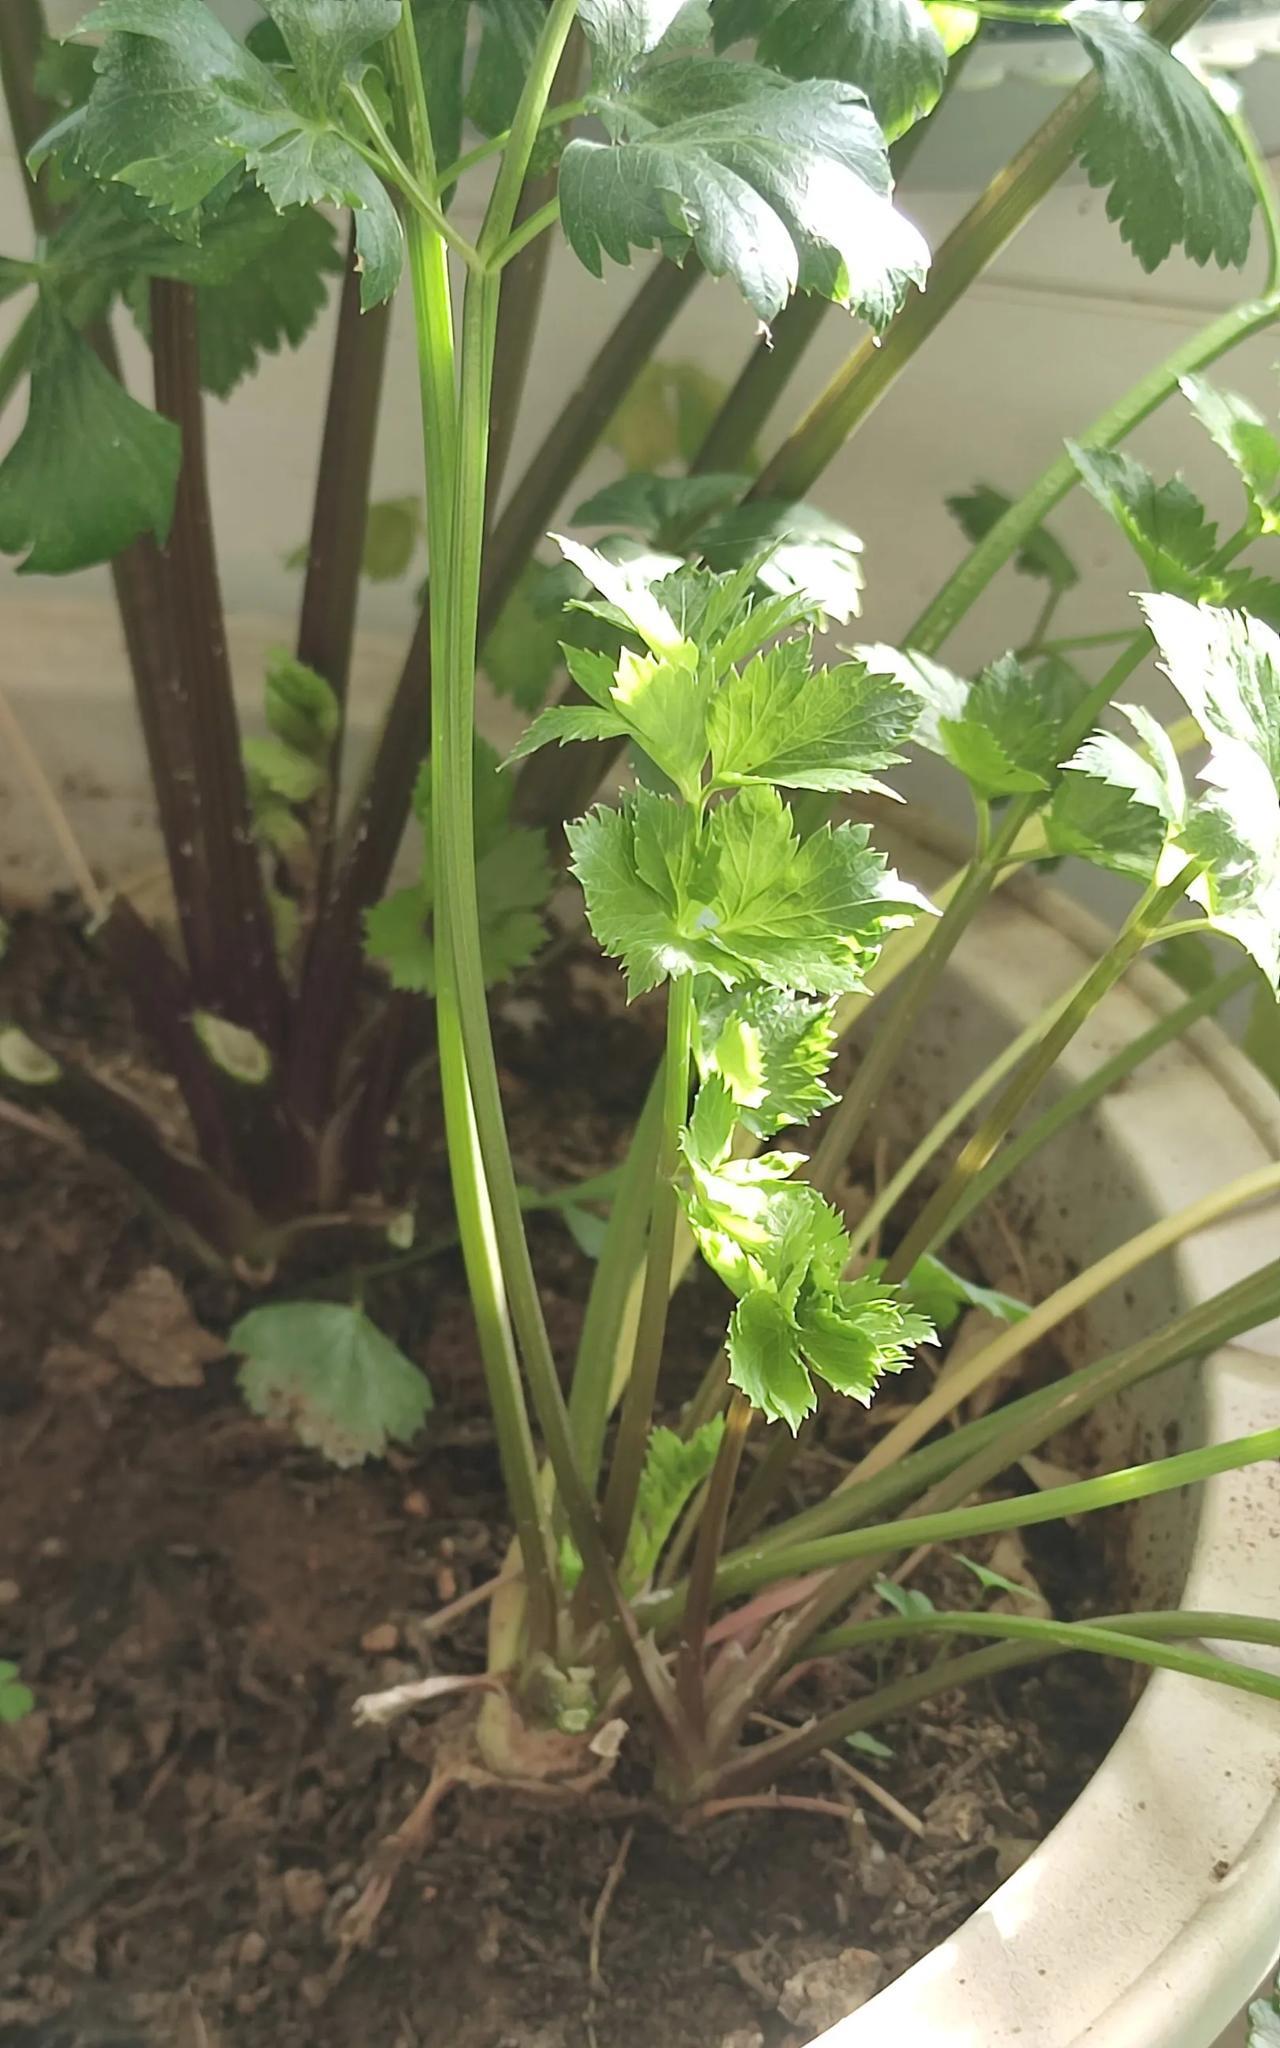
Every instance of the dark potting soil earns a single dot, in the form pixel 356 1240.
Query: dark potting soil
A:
pixel 189 1812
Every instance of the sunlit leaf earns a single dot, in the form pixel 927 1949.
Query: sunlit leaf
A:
pixel 1246 439
pixel 781 722
pixel 779 185
pixel 620 32
pixel 1158 141
pixel 765 1362
pixel 772 1050
pixel 891 49
pixel 179 104
pixel 797 548
pixel 942 1295
pixel 1226 668
pixel 1166 523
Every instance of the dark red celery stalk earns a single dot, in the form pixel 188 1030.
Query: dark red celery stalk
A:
pixel 326 635
pixel 335 549
pixel 222 905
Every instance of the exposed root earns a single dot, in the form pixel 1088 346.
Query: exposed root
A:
pixel 442 1620
pixel 601 1913
pixel 408 1841
pixel 375 1709
pixel 456 1766
pixel 865 1784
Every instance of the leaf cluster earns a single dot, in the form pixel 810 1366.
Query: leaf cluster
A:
pixel 1126 805
pixel 714 881
pixel 1004 732
pixel 783 1251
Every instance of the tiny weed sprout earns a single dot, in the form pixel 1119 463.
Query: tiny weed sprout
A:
pixel 16 1699
pixel 705 741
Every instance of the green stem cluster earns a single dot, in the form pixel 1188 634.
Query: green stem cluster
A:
pixel 456 412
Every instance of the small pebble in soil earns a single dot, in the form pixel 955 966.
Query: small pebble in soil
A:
pixel 417 1504
pixel 305 1892
pixel 10 1592
pixel 826 1990
pixel 381 1640
pixel 1012 1852
pixel 252 1949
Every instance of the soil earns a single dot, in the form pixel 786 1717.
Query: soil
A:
pixel 196 1603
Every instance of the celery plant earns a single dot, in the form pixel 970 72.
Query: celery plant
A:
pixel 720 878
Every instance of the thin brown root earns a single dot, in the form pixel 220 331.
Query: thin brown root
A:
pixel 408 1841
pixel 38 1127
pixel 768 1802
pixel 455 1767
pixel 866 1785
pixel 601 1913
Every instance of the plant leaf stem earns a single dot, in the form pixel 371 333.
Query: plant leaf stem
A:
pixel 1063 1111
pixel 1008 200
pixel 387 158
pixel 642 1380
pixel 941 1474
pixel 331 591
pixel 484 1178
pixel 555 117
pixel 429 274
pixel 226 923
pixel 981 1366
pixel 1139 931
pixel 966 584
pixel 601 1363
pixel 989 1518
pixel 713 1519
pixel 1138 1638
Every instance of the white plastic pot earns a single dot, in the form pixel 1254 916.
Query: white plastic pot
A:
pixel 1151 1912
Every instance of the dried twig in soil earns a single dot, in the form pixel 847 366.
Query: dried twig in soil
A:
pixel 612 1880
pixel 36 1127
pixel 444 1617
